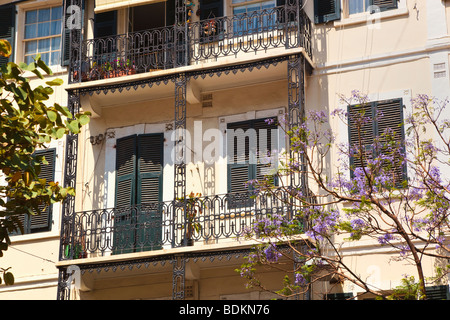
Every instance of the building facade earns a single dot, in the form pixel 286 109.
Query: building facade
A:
pixel 161 201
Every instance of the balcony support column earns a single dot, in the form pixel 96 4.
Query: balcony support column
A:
pixel 68 205
pixel 178 277
pixel 296 115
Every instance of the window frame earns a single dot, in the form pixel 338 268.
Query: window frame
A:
pixel 37 39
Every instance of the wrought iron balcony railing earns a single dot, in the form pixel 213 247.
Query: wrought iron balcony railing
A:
pixel 164 225
pixel 209 40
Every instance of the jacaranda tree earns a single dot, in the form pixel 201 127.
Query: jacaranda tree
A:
pixel 407 212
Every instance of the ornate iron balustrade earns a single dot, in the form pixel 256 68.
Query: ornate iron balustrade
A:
pixel 197 42
pixel 207 220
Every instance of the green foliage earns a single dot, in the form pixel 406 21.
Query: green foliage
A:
pixel 28 124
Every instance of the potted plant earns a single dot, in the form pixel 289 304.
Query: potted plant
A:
pixel 193 208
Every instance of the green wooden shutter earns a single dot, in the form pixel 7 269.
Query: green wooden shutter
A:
pixel 7 29
pixel 392 117
pixel 438 292
pixel 267 141
pixel 149 192
pixel 245 152
pixel 367 134
pixel 327 10
pixel 42 222
pixel 383 4
pixel 125 214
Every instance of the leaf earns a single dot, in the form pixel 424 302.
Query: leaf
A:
pixel 73 126
pixel 52 115
pixel 84 119
pixel 43 66
pixel 60 133
pixel 55 82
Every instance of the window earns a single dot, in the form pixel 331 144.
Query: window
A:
pixel 248 142
pixel 357 6
pixel 381 115
pixel 327 10
pixel 43 28
pixel 42 222
pixel 248 23
pixel 139 178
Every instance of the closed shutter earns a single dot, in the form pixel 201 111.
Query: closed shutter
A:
pixel 42 222
pixel 438 292
pixel 139 168
pixel 7 27
pixel 383 5
pixel 150 165
pixel 327 10
pixel 365 134
pixel 392 118
pixel 381 116
pixel 126 171
pixel 248 142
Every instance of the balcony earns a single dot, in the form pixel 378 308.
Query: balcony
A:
pixel 212 40
pixel 165 225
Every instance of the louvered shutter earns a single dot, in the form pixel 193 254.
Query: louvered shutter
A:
pixel 247 143
pixel 327 10
pixel 267 141
pixel 42 222
pixel 438 292
pixel 124 213
pixel 383 4
pixel 149 192
pixel 392 117
pixel 382 115
pixel 363 133
pixel 126 171
pixel 7 29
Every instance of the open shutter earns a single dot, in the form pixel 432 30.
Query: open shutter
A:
pixel 383 4
pixel 366 134
pixel 327 10
pixel 392 117
pixel 42 222
pixel 65 51
pixel 7 27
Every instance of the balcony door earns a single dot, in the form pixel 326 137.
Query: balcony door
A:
pixel 139 180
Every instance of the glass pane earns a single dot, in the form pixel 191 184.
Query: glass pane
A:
pixel 56 58
pixel 30 47
pixel 268 4
pixel 45 57
pixel 44 45
pixel 238 1
pixel 29 59
pixel 44 15
pixel 55 27
pixel 355 6
pixel 57 13
pixel 30 31
pixel 43 29
pixel 56 43
pixel 31 17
